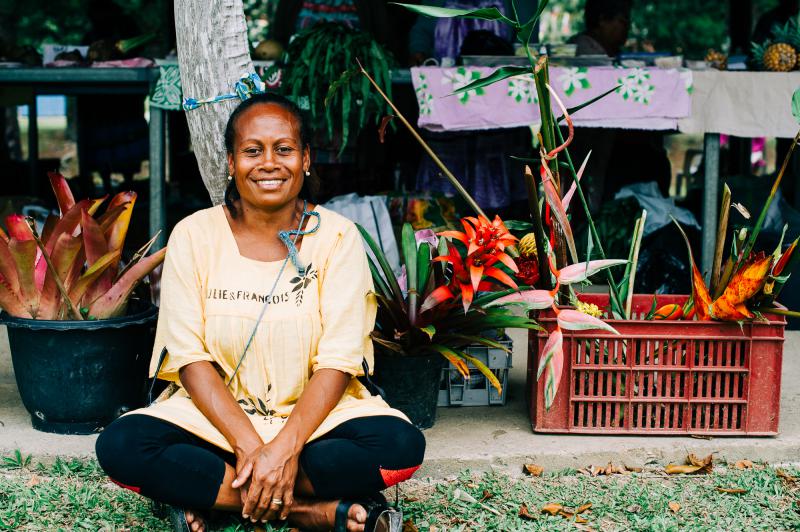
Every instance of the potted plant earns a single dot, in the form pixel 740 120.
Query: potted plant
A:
pixel 80 341
pixel 437 307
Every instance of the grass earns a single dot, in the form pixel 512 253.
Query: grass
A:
pixel 75 495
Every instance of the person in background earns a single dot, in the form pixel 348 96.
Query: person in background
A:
pixel 293 16
pixel 607 25
pixel 439 37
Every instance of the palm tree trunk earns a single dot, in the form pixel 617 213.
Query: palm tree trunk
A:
pixel 213 54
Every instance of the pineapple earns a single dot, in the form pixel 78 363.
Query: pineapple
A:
pixel 781 53
pixel 527 245
pixel 717 60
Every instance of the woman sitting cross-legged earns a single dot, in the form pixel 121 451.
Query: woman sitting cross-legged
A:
pixel 266 314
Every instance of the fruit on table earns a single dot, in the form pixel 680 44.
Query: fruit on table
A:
pixel 780 57
pixel 717 60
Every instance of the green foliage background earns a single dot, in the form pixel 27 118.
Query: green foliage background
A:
pixel 689 27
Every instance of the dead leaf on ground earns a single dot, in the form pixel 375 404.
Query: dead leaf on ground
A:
pixel 694 465
pixel 525 514
pixel 735 491
pixel 486 495
pixel 533 470
pixel 553 508
pixel 674 506
pixel 677 469
pixel 783 475
pixel 471 485
pixel 34 480
pixel 409 526
pixel 583 508
pixel 633 469
pixel 744 464
pixel 634 508
pixel 701 437
pixel 581 520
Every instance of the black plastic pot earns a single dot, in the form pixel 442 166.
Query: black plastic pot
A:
pixel 75 377
pixel 411 385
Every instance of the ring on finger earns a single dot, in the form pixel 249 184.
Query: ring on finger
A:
pixel 277 502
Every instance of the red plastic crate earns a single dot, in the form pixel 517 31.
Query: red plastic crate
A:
pixel 662 377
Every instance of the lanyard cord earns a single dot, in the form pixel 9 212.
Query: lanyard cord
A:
pixel 291 255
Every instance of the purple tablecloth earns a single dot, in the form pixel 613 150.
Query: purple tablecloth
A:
pixel 647 98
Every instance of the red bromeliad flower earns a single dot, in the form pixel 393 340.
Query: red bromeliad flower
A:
pixel 486 243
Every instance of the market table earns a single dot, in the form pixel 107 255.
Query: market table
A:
pixel 710 102
pixel 31 82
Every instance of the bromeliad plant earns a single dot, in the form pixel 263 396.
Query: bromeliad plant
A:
pixel 442 305
pixel 73 270
pixel 460 286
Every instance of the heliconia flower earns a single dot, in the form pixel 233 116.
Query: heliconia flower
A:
pixel 781 264
pixel 749 280
pixel 672 311
pixel 535 299
pixel 577 273
pixel 573 320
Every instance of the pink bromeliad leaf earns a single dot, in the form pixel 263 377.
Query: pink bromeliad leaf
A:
pixel 574 320
pixel 577 273
pixel 534 299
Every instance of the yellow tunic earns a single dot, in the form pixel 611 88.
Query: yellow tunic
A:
pixel 211 297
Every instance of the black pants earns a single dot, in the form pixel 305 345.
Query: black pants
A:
pixel 169 464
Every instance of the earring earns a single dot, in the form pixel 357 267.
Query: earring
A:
pixel 230 177
pixel 308 173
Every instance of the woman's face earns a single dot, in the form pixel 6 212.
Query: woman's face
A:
pixel 268 161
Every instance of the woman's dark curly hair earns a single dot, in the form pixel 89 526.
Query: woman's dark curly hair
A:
pixel 310 183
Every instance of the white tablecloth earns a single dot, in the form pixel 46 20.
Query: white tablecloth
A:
pixel 743 104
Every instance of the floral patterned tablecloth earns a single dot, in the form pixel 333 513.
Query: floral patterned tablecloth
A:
pixel 646 98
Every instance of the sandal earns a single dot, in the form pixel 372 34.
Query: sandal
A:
pixel 380 517
pixel 177 516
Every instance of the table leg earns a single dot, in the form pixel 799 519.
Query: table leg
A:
pixel 710 200
pixel 33 145
pixel 158 220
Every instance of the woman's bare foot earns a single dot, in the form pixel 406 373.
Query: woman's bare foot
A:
pixel 195 521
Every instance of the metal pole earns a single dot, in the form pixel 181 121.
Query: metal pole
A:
pixel 157 199
pixel 710 200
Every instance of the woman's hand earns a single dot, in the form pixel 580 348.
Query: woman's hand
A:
pixel 266 474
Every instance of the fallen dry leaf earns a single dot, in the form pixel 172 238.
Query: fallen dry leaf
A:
pixel 676 469
pixel 674 506
pixel 701 437
pixel 34 480
pixel 744 464
pixel 471 485
pixel 634 508
pixel 734 491
pixel 581 520
pixel 525 514
pixel 583 508
pixel 533 470
pixel 609 469
pixel 785 476
pixel 409 526
pixel 695 465
pixel 633 469
pixel 553 508
pixel 486 495
pixel 410 500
